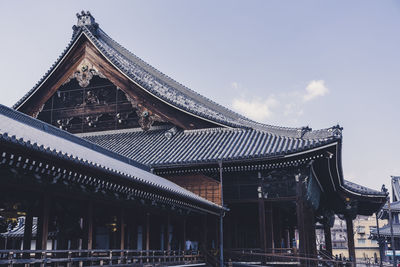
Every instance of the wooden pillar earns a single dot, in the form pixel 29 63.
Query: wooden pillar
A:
pixel 167 244
pixel 216 232
pixel 300 217
pixel 28 230
pixel 310 233
pixel 184 233
pixel 45 227
pixel 204 232
pixel 261 223
pixel 277 228
pixel 148 231
pixel 270 226
pixel 122 229
pixel 88 227
pixel 328 238
pixel 350 239
pixel 291 236
pixel 43 224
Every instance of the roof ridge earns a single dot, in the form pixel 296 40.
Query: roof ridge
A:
pixel 166 88
pixel 128 130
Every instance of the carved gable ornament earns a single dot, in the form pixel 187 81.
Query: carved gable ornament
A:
pixel 84 73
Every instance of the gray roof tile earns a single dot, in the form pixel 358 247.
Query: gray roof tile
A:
pixel 18 127
pixel 198 146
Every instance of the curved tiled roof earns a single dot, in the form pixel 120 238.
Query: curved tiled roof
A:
pixel 361 189
pixel 163 146
pixel 396 188
pixel 170 91
pixel 385 231
pixel 24 130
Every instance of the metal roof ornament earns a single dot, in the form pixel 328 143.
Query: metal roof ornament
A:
pixel 85 19
pixel 304 130
pixel 337 131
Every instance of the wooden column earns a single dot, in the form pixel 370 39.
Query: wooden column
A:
pixel 28 230
pixel 291 236
pixel 261 224
pixel 43 224
pixel 122 229
pixel 310 233
pixel 277 228
pixel 350 239
pixel 148 231
pixel 300 217
pixel 204 232
pixel 216 232
pixel 184 233
pixel 269 226
pixel 328 238
pixel 168 230
pixel 88 226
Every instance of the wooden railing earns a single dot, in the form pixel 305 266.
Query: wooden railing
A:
pixel 98 257
pixel 279 257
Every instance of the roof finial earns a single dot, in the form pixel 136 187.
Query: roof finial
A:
pixel 337 130
pixel 85 19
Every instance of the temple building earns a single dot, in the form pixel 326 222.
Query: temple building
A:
pixel 107 152
pixel 384 235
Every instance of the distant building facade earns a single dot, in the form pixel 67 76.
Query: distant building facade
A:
pixel 366 248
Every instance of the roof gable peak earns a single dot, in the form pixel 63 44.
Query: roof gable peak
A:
pixel 85 19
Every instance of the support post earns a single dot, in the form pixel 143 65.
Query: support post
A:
pixel 184 233
pixel 269 227
pixel 43 224
pixel 392 243
pixel 300 219
pixel 204 232
pixel 379 241
pixel 28 230
pixel 350 239
pixel 168 243
pixel 88 226
pixel 262 226
pixel 122 229
pixel 148 231
pixel 221 221
pixel 328 238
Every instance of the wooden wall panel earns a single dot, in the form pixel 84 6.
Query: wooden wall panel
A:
pixel 201 185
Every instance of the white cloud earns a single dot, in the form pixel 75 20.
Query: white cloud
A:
pixel 256 109
pixel 286 107
pixel 235 85
pixel 315 89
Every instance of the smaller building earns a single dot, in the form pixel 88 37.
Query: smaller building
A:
pixel 383 236
pixel 367 249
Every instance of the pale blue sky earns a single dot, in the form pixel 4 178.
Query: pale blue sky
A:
pixel 254 55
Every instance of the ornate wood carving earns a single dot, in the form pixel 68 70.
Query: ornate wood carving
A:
pixel 84 73
pixel 82 65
